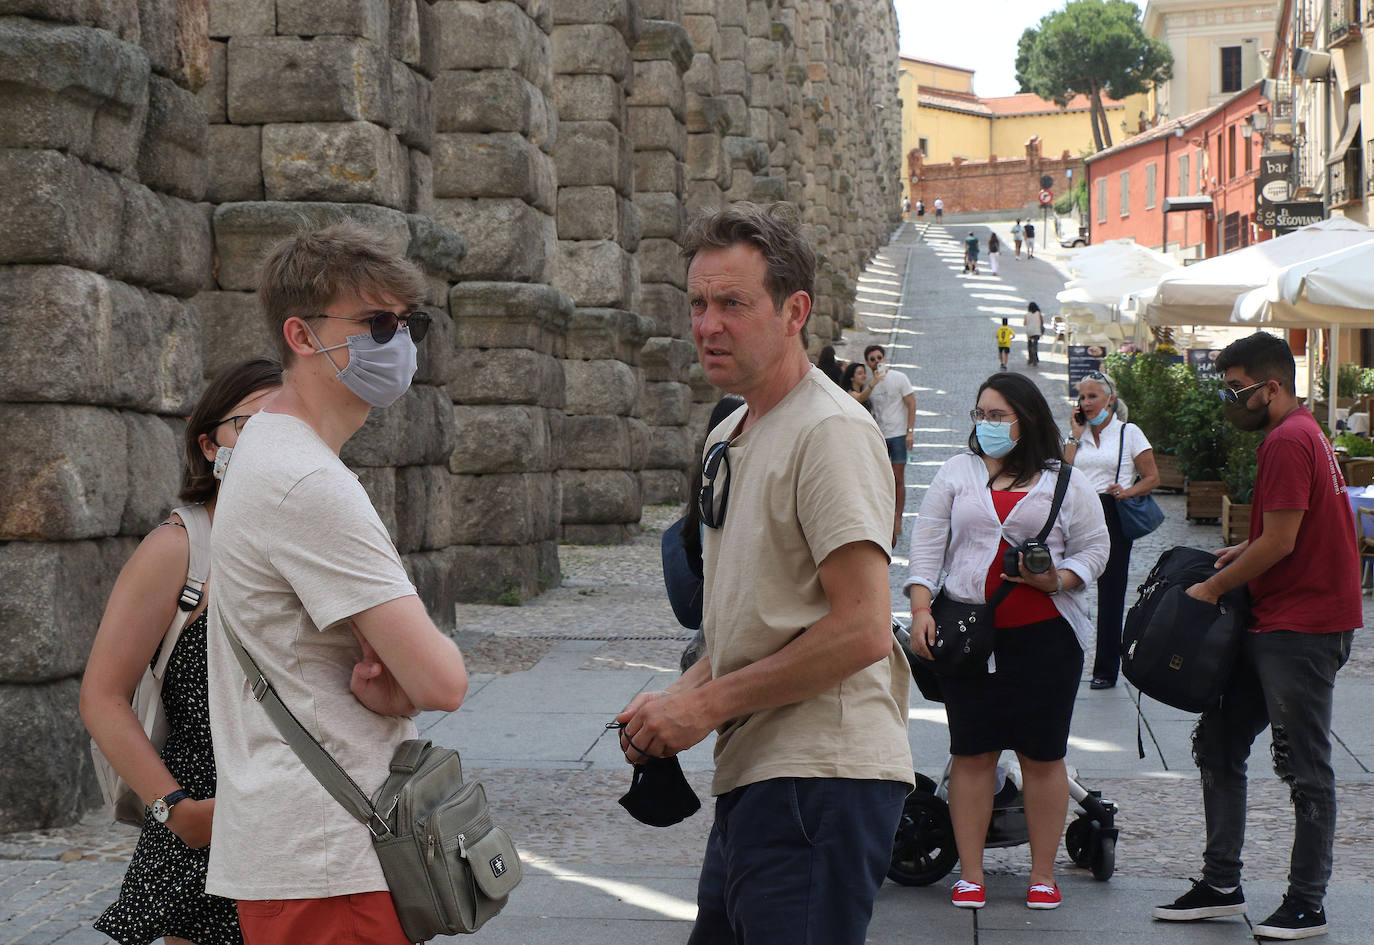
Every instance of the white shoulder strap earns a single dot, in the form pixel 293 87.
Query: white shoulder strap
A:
pixel 197 522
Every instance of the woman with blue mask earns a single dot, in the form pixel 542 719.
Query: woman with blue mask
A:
pixel 984 502
pixel 1118 461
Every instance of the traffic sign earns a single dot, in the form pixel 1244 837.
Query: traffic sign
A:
pixel 1046 198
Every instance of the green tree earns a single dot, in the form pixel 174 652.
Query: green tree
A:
pixel 1091 47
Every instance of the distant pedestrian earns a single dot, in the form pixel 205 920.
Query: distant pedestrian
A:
pixel 894 407
pixel 1030 240
pixel 971 253
pixel 829 366
pixel 920 208
pixel 906 208
pixel 1035 327
pixel 1005 334
pixel 994 251
pixel 939 209
pixel 1016 236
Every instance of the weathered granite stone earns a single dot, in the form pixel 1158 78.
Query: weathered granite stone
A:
pixel 596 442
pixel 592 49
pixel 660 215
pixel 666 42
pixel 499 439
pixel 417 430
pixel 65 472
pixel 412 106
pixel 379 482
pixel 508 376
pixel 667 306
pixel 48 204
pixel 242 18
pixel 658 171
pixel 660 9
pixel 594 152
pixel 424 508
pixel 666 403
pixel 232 327
pixel 670 447
pixel 235 163
pixel 596 274
pixel 492 35
pixel 369 19
pixel 493 100
pixel 507 238
pixel 599 496
pixel 503 573
pixel 164 243
pixel 421 199
pixel 510 315
pixel 588 213
pixel 439 580
pixel 440 360
pixel 503 509
pixel 619 14
pixel 213 93
pixel 154 471
pixel 50 780
pixel 661 260
pixel 589 97
pixel 350 162
pixel 118 16
pixel 664 486
pixel 600 387
pixel 665 359
pixel 493 165
pixel 433 247
pixel 602 333
pixel 658 128
pixel 287 79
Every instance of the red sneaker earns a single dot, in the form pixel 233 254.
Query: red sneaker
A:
pixel 968 895
pixel 1040 896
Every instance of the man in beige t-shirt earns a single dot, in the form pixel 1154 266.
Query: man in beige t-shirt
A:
pixel 308 578
pixel 803 682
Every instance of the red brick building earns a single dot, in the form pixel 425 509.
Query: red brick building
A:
pixel 994 184
pixel 1185 186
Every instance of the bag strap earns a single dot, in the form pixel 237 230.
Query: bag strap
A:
pixel 311 753
pixel 1061 486
pixel 197 523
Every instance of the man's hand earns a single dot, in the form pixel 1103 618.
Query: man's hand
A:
pixel 910 440
pixel 1226 555
pixel 1202 591
pixel 190 820
pixel 661 724
pixel 373 685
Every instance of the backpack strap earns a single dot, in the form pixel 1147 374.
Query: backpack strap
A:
pixel 197 522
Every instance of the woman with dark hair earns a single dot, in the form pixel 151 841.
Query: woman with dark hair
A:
pixel 982 503
pixel 163 894
pixel 830 367
pixel 859 383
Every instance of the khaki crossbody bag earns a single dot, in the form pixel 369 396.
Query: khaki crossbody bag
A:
pixel 448 866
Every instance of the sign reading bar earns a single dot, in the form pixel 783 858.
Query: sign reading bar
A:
pixel 1273 188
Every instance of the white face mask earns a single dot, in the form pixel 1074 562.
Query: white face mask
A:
pixel 378 373
pixel 222 461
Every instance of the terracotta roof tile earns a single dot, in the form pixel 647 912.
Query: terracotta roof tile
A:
pixel 1027 103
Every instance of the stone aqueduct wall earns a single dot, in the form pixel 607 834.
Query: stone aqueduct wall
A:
pixel 539 158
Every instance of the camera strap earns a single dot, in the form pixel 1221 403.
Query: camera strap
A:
pixel 1061 486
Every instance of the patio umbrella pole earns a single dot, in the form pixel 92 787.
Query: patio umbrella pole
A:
pixel 1332 369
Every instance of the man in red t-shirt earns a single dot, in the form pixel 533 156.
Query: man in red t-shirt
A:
pixel 1303 573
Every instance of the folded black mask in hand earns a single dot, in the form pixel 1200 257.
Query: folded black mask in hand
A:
pixel 659 794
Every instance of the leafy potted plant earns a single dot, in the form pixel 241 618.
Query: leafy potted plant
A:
pixel 1201 433
pixel 1242 465
pixel 1152 385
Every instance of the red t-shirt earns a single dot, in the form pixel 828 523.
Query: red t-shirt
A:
pixel 1024 605
pixel 1316 589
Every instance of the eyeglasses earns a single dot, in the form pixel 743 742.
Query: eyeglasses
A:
pixel 710 503
pixel 1229 396
pixel 992 416
pixel 383 324
pixel 238 421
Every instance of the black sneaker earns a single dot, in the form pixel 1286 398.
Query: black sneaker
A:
pixel 1292 920
pixel 1203 901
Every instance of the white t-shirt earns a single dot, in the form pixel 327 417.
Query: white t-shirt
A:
pixel 1035 323
pixel 888 407
pixel 297 550
pixel 939 204
pixel 810 476
pixel 1098 460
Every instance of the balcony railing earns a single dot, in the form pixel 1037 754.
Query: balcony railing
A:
pixel 1344 25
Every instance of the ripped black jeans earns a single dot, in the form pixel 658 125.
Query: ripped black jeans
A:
pixel 1285 679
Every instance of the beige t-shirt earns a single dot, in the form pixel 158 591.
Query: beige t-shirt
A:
pixel 810 476
pixel 297 550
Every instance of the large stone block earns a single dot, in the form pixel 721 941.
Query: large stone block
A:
pixel 424 508
pixel 421 199
pixel 707 159
pixel 659 171
pixel 379 482
pixel 667 359
pixel 599 496
pixel 661 260
pixel 154 471
pixel 434 247
pixel 735 80
pixel 669 448
pixel 664 486
pixel 235 163
pixel 412 106
pixel 591 49
pixel 734 43
pixel 507 238
pixel 164 243
pixel 242 18
pixel 510 315
pixel 440 360
pixel 589 97
pixel 73 89
pixel 493 100
pixel 660 215
pixel 666 403
pixel 704 32
pixel 588 213
pixel 493 35
pixel 232 327
pixel 619 14
pixel 500 439
pixel 245 232
pixel 103 342
pixel 666 305
pixel 659 83
pixel 593 152
pixel 51 602
pixel 601 387
pixel 49 780
pixel 508 376
pixel 601 333
pixel 370 19
pixel 65 472
pixel 49 204
pixel 503 573
pixel 667 42
pixel 439 581
pixel 503 509
pixel 417 430
pixel 595 442
pixel 596 274
pixel 493 165
pixel 288 79
pixel 176 36
pixel 213 93
pixel 658 128
pixel 120 17
pixel 349 162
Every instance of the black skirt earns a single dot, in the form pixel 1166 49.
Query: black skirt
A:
pixel 1027 704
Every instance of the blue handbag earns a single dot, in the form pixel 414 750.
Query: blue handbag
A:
pixel 1140 514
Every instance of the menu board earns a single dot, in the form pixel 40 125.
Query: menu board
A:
pixel 1204 362
pixel 1083 359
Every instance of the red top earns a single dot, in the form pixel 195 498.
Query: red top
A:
pixel 1024 605
pixel 1316 589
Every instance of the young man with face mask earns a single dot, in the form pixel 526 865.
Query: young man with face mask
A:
pixel 1304 578
pixel 309 580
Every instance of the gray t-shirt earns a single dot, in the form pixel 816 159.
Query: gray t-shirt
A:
pixel 298 549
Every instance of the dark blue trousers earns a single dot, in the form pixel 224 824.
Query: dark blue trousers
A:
pixel 796 861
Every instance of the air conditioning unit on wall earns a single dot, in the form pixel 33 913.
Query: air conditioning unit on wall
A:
pixel 1311 64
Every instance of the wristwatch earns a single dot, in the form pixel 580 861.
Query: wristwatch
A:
pixel 162 807
pixel 1073 441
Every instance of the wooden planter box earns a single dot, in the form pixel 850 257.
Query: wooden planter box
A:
pixel 1169 476
pixel 1204 498
pixel 1235 522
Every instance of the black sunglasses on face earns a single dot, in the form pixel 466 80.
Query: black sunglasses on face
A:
pixel 383 324
pixel 1229 396
pixel 710 504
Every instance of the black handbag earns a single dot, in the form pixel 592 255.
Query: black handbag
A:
pixel 966 633
pixel 1139 514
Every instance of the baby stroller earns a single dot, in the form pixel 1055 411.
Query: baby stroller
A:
pixel 923 851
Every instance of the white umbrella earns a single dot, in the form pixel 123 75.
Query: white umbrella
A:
pixel 1206 293
pixel 1104 272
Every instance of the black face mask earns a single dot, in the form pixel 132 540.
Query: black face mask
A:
pixel 1247 418
pixel 659 794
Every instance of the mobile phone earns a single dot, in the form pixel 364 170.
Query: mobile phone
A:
pixel 1079 417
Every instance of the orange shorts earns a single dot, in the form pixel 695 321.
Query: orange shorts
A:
pixel 359 919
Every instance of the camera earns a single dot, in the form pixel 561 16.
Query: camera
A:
pixel 1037 558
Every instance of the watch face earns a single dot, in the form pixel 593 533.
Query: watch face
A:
pixel 161 811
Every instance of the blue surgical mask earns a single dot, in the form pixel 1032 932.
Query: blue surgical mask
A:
pixel 1101 418
pixel 994 439
pixel 378 373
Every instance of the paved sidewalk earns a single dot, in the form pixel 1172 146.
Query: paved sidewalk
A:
pixel 550 674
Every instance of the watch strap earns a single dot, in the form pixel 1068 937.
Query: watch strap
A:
pixel 180 794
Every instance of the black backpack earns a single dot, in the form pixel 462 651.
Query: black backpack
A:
pixel 1177 649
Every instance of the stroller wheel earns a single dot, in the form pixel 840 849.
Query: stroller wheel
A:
pixel 1078 842
pixel 1104 859
pixel 923 851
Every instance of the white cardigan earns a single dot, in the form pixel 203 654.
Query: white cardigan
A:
pixel 957 534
